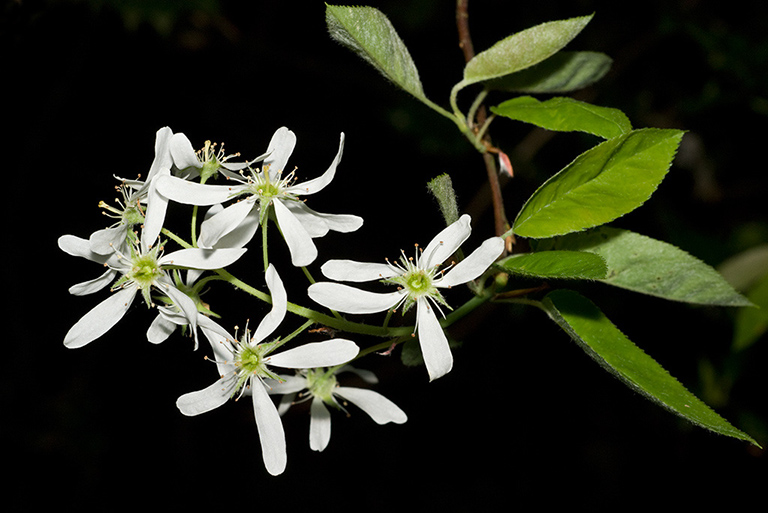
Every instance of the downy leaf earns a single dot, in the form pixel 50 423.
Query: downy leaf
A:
pixel 566 115
pixel 609 347
pixel 522 50
pixel 600 185
pixel 555 264
pixel 368 33
pixel 564 72
pixel 649 266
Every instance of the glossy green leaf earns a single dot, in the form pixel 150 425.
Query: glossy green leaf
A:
pixel 649 266
pixel 608 346
pixel 556 264
pixel 564 72
pixel 600 185
pixel 368 33
pixel 566 115
pixel 522 50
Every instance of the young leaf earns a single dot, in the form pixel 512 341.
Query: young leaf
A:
pixel 368 33
pixel 608 346
pixel 600 185
pixel 649 266
pixel 522 50
pixel 566 115
pixel 556 264
pixel 564 72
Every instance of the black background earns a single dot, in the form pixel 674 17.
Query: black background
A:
pixel 525 417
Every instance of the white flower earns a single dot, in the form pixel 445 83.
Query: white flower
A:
pixel 322 388
pixel 143 270
pixel 135 194
pixel 244 365
pixel 204 163
pixel 418 280
pixel 235 225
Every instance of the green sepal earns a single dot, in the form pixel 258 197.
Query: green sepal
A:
pixel 609 347
pixel 600 185
pixel 649 266
pixel 555 264
pixel 566 115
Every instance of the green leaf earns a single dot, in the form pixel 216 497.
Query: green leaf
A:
pixel 564 72
pixel 522 50
pixel 608 346
pixel 368 33
pixel 649 266
pixel 600 185
pixel 556 264
pixel 752 323
pixel 566 115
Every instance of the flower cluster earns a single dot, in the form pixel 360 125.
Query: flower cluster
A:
pixel 137 261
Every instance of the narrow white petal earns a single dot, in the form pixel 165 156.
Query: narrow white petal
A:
pixel 106 241
pixel 319 183
pixel 209 398
pixel 79 247
pixel 288 385
pixel 197 258
pixel 433 342
pixel 183 153
pixel 280 148
pixel 381 409
pixel 446 243
pixel 100 319
pixel 225 221
pixel 193 193
pixel 279 306
pixel 157 205
pixel 344 298
pixel 314 224
pixel 185 304
pixel 95 285
pixel 303 250
pixel 474 265
pixel 350 270
pixel 316 354
pixel 271 433
pixel 163 158
pixel 319 425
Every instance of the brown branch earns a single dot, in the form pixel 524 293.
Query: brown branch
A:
pixel 465 43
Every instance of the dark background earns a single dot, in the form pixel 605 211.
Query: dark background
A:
pixel 525 417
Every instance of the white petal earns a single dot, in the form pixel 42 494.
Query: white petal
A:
pixel 446 243
pixel 319 183
pixel 318 224
pixel 271 433
pixel 303 250
pixel 316 354
pixel 344 298
pixel 234 238
pixel 197 258
pixel 183 153
pixel 319 425
pixel 160 329
pixel 193 193
pixel 474 265
pixel 185 304
pixel 162 152
pixel 279 306
pixel 209 398
pixel 280 148
pixel 100 319
pixel 433 342
pixel 157 205
pixel 381 409
pixel 226 221
pixel 95 285
pixel 350 270
pixel 79 247
pixel 288 385
pixel 106 241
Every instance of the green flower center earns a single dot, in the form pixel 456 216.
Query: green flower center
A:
pixel 321 384
pixel 251 361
